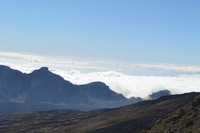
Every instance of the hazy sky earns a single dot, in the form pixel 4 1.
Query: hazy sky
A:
pixel 150 31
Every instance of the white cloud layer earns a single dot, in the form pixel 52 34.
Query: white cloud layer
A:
pixel 141 86
pixel 187 78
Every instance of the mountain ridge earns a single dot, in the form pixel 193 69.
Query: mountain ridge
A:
pixel 44 87
pixel 43 90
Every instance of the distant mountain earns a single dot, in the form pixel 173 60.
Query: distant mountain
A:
pixel 127 119
pixel 159 94
pixel 136 99
pixel 152 96
pixel 44 90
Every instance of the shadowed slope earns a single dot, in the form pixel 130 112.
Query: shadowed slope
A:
pixel 184 120
pixel 129 119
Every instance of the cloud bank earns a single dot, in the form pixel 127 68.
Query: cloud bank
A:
pixel 129 79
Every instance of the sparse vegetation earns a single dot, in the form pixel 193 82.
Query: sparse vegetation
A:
pixel 189 123
pixel 184 120
pixel 196 102
pixel 131 118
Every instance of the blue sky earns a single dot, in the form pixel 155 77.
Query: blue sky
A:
pixel 155 31
pixel 135 46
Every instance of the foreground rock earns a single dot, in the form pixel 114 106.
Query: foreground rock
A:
pixel 129 119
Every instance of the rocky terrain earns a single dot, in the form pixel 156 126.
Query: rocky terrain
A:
pixel 184 120
pixel 130 119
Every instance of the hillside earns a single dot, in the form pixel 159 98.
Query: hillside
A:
pixel 129 119
pixel 184 120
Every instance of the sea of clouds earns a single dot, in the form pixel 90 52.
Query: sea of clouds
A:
pixel 127 78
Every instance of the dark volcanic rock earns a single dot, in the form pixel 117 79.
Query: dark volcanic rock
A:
pixel 184 120
pixel 127 119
